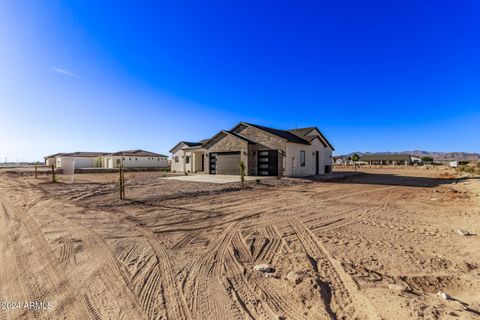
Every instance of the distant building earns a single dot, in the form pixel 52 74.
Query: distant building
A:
pixel 389 159
pixel 342 161
pixel 80 159
pixel 135 159
pixel 129 159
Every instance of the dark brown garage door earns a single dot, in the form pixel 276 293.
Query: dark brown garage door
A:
pixel 225 163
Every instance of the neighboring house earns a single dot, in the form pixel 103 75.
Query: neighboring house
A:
pixel 129 159
pixel 51 159
pixel 264 151
pixel 342 161
pixel 135 159
pixel 387 159
pixel 81 159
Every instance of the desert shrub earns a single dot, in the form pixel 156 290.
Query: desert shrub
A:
pixel 257 181
pixel 466 169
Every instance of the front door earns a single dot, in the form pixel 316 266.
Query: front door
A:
pixel 268 163
pixel 317 162
pixel 213 163
pixel 203 162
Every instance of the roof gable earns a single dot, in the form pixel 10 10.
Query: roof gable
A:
pixel 210 142
pixel 311 131
pixel 283 134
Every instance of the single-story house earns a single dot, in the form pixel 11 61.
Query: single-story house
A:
pixel 81 159
pixel 129 159
pixel 135 159
pixel 264 151
pixel 342 161
pixel 52 159
pixel 387 159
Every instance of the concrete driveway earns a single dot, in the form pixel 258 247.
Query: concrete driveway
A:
pixel 213 178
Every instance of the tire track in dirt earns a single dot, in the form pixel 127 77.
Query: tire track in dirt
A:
pixel 208 298
pixel 52 281
pixel 349 301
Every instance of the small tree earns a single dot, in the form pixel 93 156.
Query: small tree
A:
pixel 355 158
pixel 242 173
pixel 427 159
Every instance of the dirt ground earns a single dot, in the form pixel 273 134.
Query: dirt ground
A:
pixel 379 244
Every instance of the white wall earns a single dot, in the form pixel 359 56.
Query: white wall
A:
pixel 135 162
pixel 177 166
pixel 293 158
pixel 80 162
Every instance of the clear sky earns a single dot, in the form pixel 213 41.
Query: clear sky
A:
pixel 113 75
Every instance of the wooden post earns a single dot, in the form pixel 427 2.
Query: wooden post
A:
pixel 54 179
pixel 35 171
pixel 122 183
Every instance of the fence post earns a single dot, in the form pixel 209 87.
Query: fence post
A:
pixel 122 182
pixel 35 171
pixel 54 179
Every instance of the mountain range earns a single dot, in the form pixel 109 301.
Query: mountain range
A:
pixel 433 154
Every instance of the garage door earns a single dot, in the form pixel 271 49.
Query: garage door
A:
pixel 225 163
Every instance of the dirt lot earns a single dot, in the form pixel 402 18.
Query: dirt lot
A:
pixel 379 244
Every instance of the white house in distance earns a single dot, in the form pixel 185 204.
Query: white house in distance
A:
pixel 129 159
pixel 81 159
pixel 264 151
pixel 135 159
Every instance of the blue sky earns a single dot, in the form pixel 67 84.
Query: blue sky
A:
pixel 113 75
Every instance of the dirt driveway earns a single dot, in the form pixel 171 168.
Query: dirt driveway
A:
pixel 186 250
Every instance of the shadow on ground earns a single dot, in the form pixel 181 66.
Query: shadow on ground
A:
pixel 390 179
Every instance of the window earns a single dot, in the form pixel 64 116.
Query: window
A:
pixel 176 158
pixel 302 158
pixel 187 159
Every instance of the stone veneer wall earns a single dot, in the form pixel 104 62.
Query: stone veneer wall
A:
pixel 227 143
pixel 265 141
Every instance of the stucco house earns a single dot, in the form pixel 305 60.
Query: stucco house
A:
pixel 81 159
pixel 129 159
pixel 51 159
pixel 387 159
pixel 265 152
pixel 134 159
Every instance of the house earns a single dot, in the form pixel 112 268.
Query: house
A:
pixel 387 159
pixel 264 151
pixel 129 159
pixel 343 161
pixel 81 159
pixel 134 159
pixel 51 159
